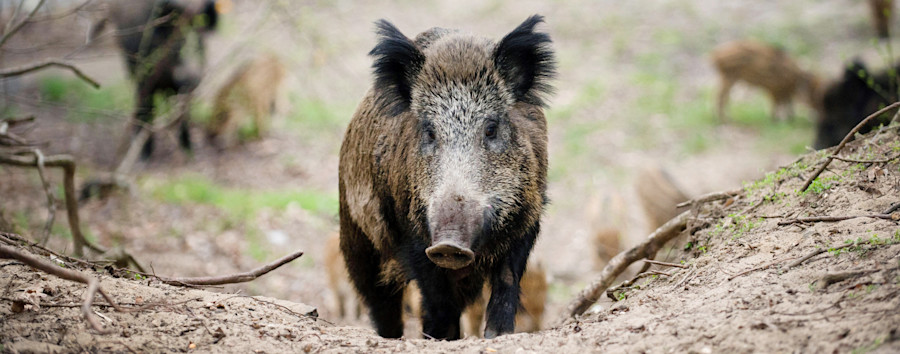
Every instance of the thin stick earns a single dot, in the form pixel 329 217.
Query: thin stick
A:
pixel 67 274
pixel 816 253
pixel 764 266
pixel 611 292
pixel 48 63
pixel 667 264
pixel 892 208
pixel 621 261
pixel 840 146
pixel 833 218
pixel 51 200
pixel 68 165
pixel 233 278
pixel 889 159
pixel 15 29
pixel 709 197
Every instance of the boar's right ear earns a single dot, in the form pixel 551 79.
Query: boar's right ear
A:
pixel 526 63
pixel 397 60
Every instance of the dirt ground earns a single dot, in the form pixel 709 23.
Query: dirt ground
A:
pixel 629 75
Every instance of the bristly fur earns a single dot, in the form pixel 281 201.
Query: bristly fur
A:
pixel 525 60
pixel 397 59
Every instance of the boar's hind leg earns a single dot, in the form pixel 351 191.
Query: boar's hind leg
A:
pixel 385 301
pixel 501 309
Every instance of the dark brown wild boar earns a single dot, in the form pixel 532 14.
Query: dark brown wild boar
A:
pixel 243 106
pixel 443 174
pixel 766 67
pixel 152 35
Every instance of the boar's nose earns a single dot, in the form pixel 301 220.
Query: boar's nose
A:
pixel 449 255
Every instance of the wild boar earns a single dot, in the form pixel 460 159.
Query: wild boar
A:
pixel 850 99
pixel 151 35
pixel 243 107
pixel 766 67
pixel 442 174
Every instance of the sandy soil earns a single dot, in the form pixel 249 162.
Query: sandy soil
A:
pixel 598 143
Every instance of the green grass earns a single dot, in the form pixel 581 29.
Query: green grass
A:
pixel 86 101
pixel 243 203
pixel 316 116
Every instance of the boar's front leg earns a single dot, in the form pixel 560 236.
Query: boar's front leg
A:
pixel 501 309
pixel 440 309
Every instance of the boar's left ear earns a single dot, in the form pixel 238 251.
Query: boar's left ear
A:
pixel 397 60
pixel 525 61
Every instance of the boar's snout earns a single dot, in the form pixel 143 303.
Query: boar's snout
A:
pixel 455 223
pixel 447 254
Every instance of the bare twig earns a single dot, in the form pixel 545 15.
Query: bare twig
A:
pixel 889 159
pixel 233 278
pixel 706 198
pixel 816 253
pixel 68 165
pixel 51 200
pixel 836 218
pixel 764 266
pixel 892 208
pixel 48 63
pixel 9 33
pixel 621 261
pixel 67 274
pixel 667 264
pixel 846 139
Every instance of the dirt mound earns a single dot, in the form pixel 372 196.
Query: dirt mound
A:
pixel 746 286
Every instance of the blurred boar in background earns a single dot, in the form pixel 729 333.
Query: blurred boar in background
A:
pixel 853 97
pixel 243 107
pixel 766 67
pixel 151 35
pixel 882 16
pixel 608 218
pixel 659 196
pixel 443 174
pixel 530 313
pixel 345 300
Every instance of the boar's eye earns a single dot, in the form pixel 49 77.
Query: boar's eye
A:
pixel 428 133
pixel 490 130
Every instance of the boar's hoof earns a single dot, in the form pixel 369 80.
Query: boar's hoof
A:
pixel 450 255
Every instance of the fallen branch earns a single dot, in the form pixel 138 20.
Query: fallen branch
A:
pixel 837 218
pixel 621 261
pixel 892 208
pixel 847 159
pixel 832 278
pixel 46 64
pixel 816 253
pixel 51 200
pixel 68 166
pixel 67 274
pixel 846 139
pixel 233 278
pixel 667 264
pixel 710 197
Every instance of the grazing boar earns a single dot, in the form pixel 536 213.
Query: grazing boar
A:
pixel 528 316
pixel 850 99
pixel 442 174
pixel 242 108
pixel 882 16
pixel 658 195
pixel 766 67
pixel 151 35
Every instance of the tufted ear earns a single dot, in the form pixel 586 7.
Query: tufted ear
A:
pixel 526 62
pixel 397 60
